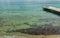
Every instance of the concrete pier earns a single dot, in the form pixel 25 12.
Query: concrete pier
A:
pixel 52 9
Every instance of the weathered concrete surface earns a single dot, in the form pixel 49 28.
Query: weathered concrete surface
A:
pixel 52 9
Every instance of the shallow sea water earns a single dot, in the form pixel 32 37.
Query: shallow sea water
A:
pixel 18 12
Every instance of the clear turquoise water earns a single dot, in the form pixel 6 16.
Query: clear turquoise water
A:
pixel 17 13
pixel 34 8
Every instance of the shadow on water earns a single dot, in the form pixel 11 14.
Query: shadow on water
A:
pixel 52 11
pixel 41 30
pixel 47 29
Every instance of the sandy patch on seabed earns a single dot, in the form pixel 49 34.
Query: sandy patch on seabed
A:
pixel 31 36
